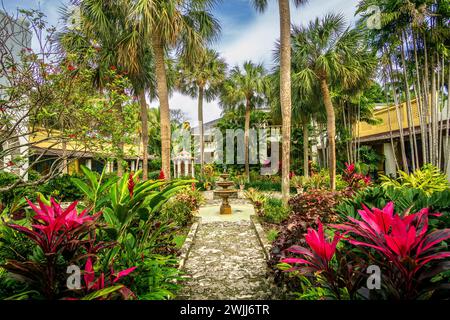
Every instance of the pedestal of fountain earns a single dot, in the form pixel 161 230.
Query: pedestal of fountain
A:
pixel 225 193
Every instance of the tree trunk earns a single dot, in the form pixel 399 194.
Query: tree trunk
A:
pixel 420 108
pixel 434 137
pixel 144 124
pixel 200 126
pixel 163 95
pixel 399 119
pixel 285 94
pixel 331 130
pixel 411 129
pixel 305 148
pixel 246 142
pixel 446 146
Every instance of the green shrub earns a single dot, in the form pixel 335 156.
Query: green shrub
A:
pixel 272 235
pixel 412 199
pixel 62 188
pixel 180 208
pixel 9 197
pixel 274 211
pixel 153 175
pixel 428 179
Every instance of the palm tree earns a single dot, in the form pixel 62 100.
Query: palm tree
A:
pixel 119 43
pixel 185 25
pixel 285 87
pixel 330 54
pixel 202 79
pixel 245 87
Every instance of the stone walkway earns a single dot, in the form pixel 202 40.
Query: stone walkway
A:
pixel 226 260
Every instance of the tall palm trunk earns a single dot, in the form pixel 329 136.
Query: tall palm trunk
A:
pixel 305 147
pixel 246 136
pixel 163 95
pixel 331 130
pixel 200 126
pixel 144 124
pixel 285 94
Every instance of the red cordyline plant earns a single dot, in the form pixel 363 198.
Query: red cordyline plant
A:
pixel 403 245
pixel 321 250
pixel 408 255
pixel 354 179
pixel 54 228
pixel 60 234
pixel 104 287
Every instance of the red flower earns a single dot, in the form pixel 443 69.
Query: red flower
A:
pixel 131 184
pixel 161 175
pixel 10 164
pixel 71 68
pixel 291 174
pixel 350 167
pixel 113 68
pixel 193 186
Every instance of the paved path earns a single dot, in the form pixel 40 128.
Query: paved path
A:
pixel 226 260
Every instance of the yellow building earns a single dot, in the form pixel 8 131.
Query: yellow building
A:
pixel 92 154
pixel 384 137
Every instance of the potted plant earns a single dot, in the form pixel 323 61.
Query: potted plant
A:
pixel 298 183
pixel 207 185
pixel 240 180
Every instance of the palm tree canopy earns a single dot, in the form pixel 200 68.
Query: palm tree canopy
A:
pixel 186 25
pixel 244 84
pixel 327 49
pixel 207 72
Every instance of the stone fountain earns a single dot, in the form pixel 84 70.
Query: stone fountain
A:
pixel 225 193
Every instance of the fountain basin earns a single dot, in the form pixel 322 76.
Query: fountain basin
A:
pixel 224 184
pixel 225 208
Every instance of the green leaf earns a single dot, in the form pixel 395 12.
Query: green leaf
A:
pixel 102 292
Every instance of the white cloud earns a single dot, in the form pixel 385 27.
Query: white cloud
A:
pixel 256 42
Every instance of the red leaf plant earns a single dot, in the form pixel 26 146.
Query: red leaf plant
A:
pixel 161 175
pixel 402 244
pixel 321 250
pixel 93 285
pixel 61 235
pixel 355 180
pixel 408 254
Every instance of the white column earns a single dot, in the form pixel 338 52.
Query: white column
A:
pixel 110 166
pixel 133 166
pixel 179 168
pixel 186 168
pixel 89 164
pixel 389 165
pixel 192 169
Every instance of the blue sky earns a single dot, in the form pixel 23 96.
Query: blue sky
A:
pixel 246 34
